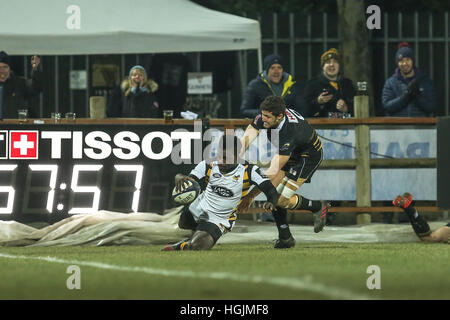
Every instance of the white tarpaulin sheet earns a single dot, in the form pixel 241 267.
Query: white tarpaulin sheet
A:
pixel 99 229
pixel 70 27
pixel 112 228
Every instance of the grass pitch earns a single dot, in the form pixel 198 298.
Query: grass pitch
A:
pixel 228 271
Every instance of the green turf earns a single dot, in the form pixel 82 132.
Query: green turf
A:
pixel 408 271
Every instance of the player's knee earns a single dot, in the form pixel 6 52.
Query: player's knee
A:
pixel 283 202
pixel 201 241
pixel 439 235
pixel 187 221
pixel 433 237
pixel 182 224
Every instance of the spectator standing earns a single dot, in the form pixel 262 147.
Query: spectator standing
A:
pixel 135 98
pixel 409 92
pixel 330 91
pixel 16 92
pixel 272 81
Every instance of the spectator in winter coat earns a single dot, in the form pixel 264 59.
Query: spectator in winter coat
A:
pixel 329 91
pixel 16 92
pixel 135 98
pixel 408 92
pixel 272 81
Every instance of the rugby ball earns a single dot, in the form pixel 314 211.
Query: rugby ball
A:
pixel 188 195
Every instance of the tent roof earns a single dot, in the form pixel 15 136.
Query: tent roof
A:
pixel 119 26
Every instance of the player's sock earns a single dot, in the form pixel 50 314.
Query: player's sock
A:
pixel 419 225
pixel 182 245
pixel 280 216
pixel 306 204
pixel 411 212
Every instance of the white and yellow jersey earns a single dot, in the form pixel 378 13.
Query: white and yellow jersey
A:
pixel 224 191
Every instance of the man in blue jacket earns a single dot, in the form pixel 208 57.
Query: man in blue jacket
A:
pixel 408 92
pixel 272 81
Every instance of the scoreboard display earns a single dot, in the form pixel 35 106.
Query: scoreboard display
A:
pixel 49 172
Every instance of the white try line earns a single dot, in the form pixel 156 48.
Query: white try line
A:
pixel 306 283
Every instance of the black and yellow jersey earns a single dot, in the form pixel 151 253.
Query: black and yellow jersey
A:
pixel 224 191
pixel 296 137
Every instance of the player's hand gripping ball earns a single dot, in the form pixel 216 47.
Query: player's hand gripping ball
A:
pixel 188 194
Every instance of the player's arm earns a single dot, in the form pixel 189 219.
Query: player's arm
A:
pixel 276 164
pixel 181 180
pixel 271 194
pixel 261 183
pixel 265 185
pixel 196 174
pixel 249 136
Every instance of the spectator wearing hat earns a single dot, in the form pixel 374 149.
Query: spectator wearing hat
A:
pixel 272 81
pixel 15 91
pixel 329 91
pixel 408 92
pixel 135 98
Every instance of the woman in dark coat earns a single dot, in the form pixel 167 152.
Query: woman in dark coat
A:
pixel 135 98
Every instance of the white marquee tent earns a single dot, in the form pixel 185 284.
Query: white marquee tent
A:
pixel 82 27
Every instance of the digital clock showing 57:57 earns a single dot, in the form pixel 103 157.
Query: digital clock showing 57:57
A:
pixel 42 188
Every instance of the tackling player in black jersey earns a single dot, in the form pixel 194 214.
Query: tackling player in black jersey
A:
pixel 300 154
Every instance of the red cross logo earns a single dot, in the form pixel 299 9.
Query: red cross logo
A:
pixel 23 144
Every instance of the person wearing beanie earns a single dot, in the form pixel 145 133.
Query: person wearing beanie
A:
pixel 273 80
pixel 16 92
pixel 409 92
pixel 135 98
pixel 329 91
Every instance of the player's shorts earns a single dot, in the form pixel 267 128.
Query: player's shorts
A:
pixel 302 167
pixel 215 225
pixel 448 224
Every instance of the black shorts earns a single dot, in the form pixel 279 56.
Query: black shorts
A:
pixel 187 221
pixel 448 224
pixel 302 166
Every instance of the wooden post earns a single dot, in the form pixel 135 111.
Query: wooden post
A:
pixel 363 177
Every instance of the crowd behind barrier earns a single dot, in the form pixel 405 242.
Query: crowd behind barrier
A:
pixel 409 92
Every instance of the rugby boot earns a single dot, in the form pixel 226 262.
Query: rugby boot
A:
pixel 285 243
pixel 320 217
pixel 403 201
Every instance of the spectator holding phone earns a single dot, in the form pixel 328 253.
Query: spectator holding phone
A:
pixel 329 91
pixel 15 91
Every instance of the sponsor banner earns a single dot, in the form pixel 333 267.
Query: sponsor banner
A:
pixel 71 169
pixel 200 83
pixel 394 143
pixel 386 183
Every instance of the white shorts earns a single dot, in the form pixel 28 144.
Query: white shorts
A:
pixel 224 223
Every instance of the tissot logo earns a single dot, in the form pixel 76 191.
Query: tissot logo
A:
pixel 179 146
pixel 125 145
pixel 23 144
